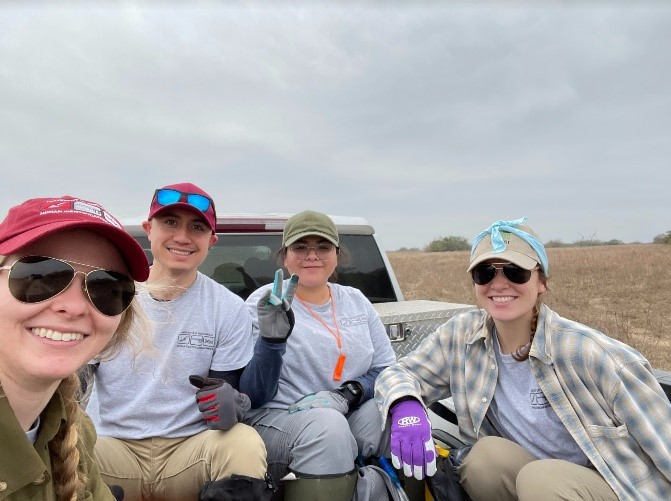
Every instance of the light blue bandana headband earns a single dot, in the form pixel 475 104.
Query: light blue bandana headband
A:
pixel 499 245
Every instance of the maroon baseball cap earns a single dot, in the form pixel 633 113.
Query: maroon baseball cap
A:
pixel 184 196
pixel 38 217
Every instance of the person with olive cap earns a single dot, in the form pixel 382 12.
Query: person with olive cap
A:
pixel 553 409
pixel 319 416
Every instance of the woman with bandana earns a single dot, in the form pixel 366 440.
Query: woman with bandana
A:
pixel 553 409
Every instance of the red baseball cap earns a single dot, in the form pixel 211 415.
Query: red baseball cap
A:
pixel 38 217
pixel 185 196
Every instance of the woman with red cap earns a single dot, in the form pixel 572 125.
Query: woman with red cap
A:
pixel 67 295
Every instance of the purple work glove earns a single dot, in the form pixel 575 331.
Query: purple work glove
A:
pixel 222 406
pixel 411 442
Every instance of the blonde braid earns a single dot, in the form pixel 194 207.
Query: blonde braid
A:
pixel 69 480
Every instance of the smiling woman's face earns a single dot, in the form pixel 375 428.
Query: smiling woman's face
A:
pixel 313 271
pixel 507 301
pixel 45 342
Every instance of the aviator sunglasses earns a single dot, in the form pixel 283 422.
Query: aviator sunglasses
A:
pixel 485 272
pixel 34 279
pixel 168 196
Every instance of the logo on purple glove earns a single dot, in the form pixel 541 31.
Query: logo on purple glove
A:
pixel 412 446
pixel 409 421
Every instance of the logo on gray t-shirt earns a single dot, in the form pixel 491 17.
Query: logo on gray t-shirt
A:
pixel 198 340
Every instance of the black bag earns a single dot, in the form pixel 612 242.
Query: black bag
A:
pixel 117 492
pixel 445 485
pixel 238 488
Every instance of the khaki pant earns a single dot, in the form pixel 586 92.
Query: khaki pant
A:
pixel 169 469
pixel 498 469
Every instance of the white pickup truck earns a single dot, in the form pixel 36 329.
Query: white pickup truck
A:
pixel 242 260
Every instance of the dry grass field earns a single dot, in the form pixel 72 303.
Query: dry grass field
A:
pixel 621 290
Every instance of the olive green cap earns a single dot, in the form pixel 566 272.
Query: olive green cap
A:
pixel 308 223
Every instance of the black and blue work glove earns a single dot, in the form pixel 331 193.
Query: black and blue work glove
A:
pixel 276 319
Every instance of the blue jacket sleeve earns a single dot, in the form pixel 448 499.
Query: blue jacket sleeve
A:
pixel 231 377
pixel 367 382
pixel 260 379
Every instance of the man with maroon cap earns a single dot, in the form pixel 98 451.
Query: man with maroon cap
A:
pixel 155 440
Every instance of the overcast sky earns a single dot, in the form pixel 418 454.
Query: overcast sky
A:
pixel 429 119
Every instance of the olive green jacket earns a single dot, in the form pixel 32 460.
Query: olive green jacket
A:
pixel 25 469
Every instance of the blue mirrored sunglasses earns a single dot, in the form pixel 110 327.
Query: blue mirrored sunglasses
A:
pixel 167 197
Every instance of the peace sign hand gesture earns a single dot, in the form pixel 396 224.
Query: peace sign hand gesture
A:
pixel 276 319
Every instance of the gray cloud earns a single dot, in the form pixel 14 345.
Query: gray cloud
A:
pixel 430 120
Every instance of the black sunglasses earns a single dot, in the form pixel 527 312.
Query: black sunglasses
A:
pixel 34 279
pixel 485 272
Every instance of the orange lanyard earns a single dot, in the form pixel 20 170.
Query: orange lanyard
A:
pixel 337 373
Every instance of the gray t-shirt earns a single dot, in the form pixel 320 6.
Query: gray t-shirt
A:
pixel 205 328
pixel 312 351
pixel 522 414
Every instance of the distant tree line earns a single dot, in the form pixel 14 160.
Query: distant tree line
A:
pixel 454 243
pixel 664 238
pixel 587 242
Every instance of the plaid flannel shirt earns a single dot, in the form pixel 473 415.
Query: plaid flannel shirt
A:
pixel 603 391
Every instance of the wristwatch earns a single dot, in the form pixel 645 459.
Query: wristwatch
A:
pixel 352 391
